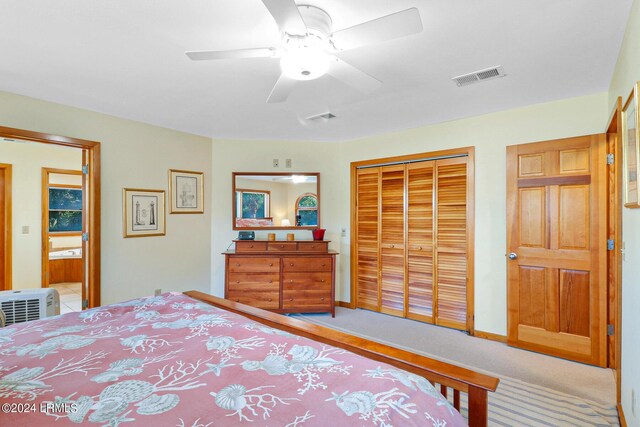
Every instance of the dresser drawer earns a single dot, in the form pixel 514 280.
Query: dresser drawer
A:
pixel 251 246
pixel 254 265
pixel 306 300
pixel 260 299
pixel 309 281
pixel 281 246
pixel 257 279
pixel 307 263
pixel 313 246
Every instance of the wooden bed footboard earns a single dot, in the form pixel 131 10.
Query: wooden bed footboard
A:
pixel 447 376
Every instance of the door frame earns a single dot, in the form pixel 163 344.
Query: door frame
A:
pixel 614 261
pixel 93 162
pixel 45 219
pixel 8 231
pixel 432 155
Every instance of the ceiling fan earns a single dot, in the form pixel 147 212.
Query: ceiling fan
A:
pixel 310 47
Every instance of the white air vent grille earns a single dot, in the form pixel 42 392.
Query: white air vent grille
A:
pixel 19 311
pixel 325 116
pixel 478 76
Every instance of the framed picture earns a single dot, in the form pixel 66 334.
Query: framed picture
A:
pixel 631 149
pixel 186 192
pixel 143 212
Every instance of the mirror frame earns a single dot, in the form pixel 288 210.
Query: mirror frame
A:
pixel 293 227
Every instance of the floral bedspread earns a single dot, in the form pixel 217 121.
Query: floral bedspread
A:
pixel 173 361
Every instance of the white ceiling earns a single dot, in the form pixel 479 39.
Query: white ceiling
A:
pixel 126 58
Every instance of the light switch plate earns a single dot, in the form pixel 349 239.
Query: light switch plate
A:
pixel 25 229
pixel 276 163
pixel 287 163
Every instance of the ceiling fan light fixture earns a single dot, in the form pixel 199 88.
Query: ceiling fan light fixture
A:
pixel 305 63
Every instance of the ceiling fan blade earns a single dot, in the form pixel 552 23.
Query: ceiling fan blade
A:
pixel 287 16
pixel 207 55
pixel 282 89
pixel 389 27
pixel 352 76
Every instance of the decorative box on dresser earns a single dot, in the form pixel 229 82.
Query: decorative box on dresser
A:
pixel 282 276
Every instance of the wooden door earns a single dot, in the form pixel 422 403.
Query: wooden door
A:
pixel 85 232
pixel 392 239
pixel 556 243
pixel 420 241
pixel 451 231
pixel 5 227
pixel 366 250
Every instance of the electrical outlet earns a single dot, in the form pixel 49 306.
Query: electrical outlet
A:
pixel 633 402
pixel 25 229
pixel 276 163
pixel 287 163
pixel 157 292
pixel 343 233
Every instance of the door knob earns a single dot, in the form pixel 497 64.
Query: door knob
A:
pixel 513 256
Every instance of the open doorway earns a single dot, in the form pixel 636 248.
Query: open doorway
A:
pixel 59 216
pixel 63 211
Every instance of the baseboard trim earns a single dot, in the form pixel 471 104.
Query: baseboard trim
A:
pixel 623 421
pixel 490 336
pixel 343 304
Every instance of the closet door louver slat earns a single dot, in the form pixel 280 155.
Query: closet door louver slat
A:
pixel 420 241
pixel 451 243
pixel 367 241
pixel 392 256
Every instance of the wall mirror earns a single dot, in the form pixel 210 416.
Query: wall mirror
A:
pixel 276 201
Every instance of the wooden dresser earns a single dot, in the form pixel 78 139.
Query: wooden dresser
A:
pixel 282 276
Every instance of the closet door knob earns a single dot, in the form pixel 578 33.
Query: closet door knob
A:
pixel 393 246
pixel 513 256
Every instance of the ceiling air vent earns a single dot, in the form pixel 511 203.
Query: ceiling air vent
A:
pixel 323 116
pixel 479 76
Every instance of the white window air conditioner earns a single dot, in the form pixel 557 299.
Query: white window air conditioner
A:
pixel 29 304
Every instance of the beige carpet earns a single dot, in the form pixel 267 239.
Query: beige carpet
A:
pixel 542 380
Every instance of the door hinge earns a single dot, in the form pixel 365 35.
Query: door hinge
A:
pixel 610 245
pixel 85 237
pixel 85 169
pixel 85 303
pixel 610 159
pixel 611 331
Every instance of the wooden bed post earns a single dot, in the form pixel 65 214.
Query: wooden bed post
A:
pixel 478 407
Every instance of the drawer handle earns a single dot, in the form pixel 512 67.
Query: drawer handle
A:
pixel 237 299
pixel 291 281
pixel 237 265
pixel 324 265
pixel 322 280
pixel 282 246
pixel 270 281
pixel 251 246
pixel 291 264
pixel 313 246
pixel 322 299
pixel 270 299
pixel 237 281
pixel 271 265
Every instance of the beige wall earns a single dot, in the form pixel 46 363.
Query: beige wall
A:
pixel 139 156
pixel 27 161
pixel 626 74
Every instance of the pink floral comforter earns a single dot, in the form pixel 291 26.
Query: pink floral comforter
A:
pixel 173 361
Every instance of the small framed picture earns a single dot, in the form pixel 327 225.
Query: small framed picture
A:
pixel 186 192
pixel 143 212
pixel 631 149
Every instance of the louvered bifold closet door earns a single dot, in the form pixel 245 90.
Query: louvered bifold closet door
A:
pixel 420 295
pixel 367 201
pixel 451 242
pixel 392 240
